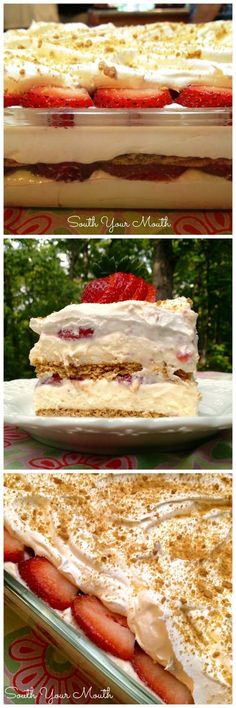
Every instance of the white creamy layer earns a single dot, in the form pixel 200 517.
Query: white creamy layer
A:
pixel 131 330
pixel 167 398
pixel 155 550
pixel 162 54
pixel 192 190
pixel 31 144
pixel 117 348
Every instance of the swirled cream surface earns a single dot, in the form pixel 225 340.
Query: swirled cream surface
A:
pixel 160 54
pixel 132 330
pixel 155 548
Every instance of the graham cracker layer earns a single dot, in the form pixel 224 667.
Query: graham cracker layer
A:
pixel 88 371
pixel 99 371
pixel 95 413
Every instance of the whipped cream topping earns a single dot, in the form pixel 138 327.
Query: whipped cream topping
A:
pixel 132 330
pixel 160 54
pixel 155 548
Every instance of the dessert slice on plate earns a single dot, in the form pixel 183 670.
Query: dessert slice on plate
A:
pixel 118 353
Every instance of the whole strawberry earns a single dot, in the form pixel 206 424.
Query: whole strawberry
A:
pixel 117 287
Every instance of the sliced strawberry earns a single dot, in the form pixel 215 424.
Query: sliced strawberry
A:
pixel 54 380
pixel 12 99
pixel 82 333
pixel 205 97
pixel 164 684
pixel 124 379
pixel 47 582
pixel 13 549
pixel 61 120
pixel 140 171
pixel 183 357
pixel 56 97
pixel 103 627
pixel 65 171
pixel 132 98
pixel 117 287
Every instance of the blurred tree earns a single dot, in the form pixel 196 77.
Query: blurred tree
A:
pixel 42 275
pixel 163 264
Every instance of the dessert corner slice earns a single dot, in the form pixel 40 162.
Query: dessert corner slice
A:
pixel 119 353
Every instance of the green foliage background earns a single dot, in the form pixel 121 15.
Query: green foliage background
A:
pixel 43 275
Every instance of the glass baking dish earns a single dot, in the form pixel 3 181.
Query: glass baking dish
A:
pixel 171 158
pixel 95 664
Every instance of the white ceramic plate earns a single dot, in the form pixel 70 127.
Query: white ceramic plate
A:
pixel 105 435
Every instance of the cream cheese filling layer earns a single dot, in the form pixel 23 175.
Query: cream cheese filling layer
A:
pixel 86 144
pixel 165 398
pixel 154 550
pixel 115 348
pixel 174 350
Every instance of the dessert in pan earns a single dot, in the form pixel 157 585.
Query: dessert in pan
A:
pixel 120 352
pixel 140 563
pixel 119 116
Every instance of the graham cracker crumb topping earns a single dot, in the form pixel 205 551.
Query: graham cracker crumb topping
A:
pixel 168 533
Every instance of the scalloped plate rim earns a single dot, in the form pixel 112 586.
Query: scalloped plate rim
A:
pixel 202 421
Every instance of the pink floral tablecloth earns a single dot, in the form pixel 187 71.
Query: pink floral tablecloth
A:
pixel 20 221
pixel 23 452
pixel 36 672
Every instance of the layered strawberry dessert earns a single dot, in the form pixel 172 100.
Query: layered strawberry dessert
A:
pixel 120 352
pixel 141 564
pixel 119 116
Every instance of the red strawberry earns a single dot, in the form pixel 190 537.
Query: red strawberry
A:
pixel 183 357
pixel 13 549
pixel 12 99
pixel 65 171
pixel 164 684
pixel 54 380
pixel 56 97
pixel 205 97
pixel 103 627
pixel 82 332
pixel 124 379
pixel 47 582
pixel 132 98
pixel 61 120
pixel 140 171
pixel 117 287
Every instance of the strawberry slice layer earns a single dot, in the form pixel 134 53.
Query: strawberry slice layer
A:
pixel 12 99
pixel 118 287
pixel 13 549
pixel 132 98
pixel 205 97
pixel 104 628
pixel 164 684
pixel 56 97
pixel 47 582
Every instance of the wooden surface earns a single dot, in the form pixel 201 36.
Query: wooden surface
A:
pixel 137 18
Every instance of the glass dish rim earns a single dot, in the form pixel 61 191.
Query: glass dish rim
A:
pixel 99 117
pixel 82 644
